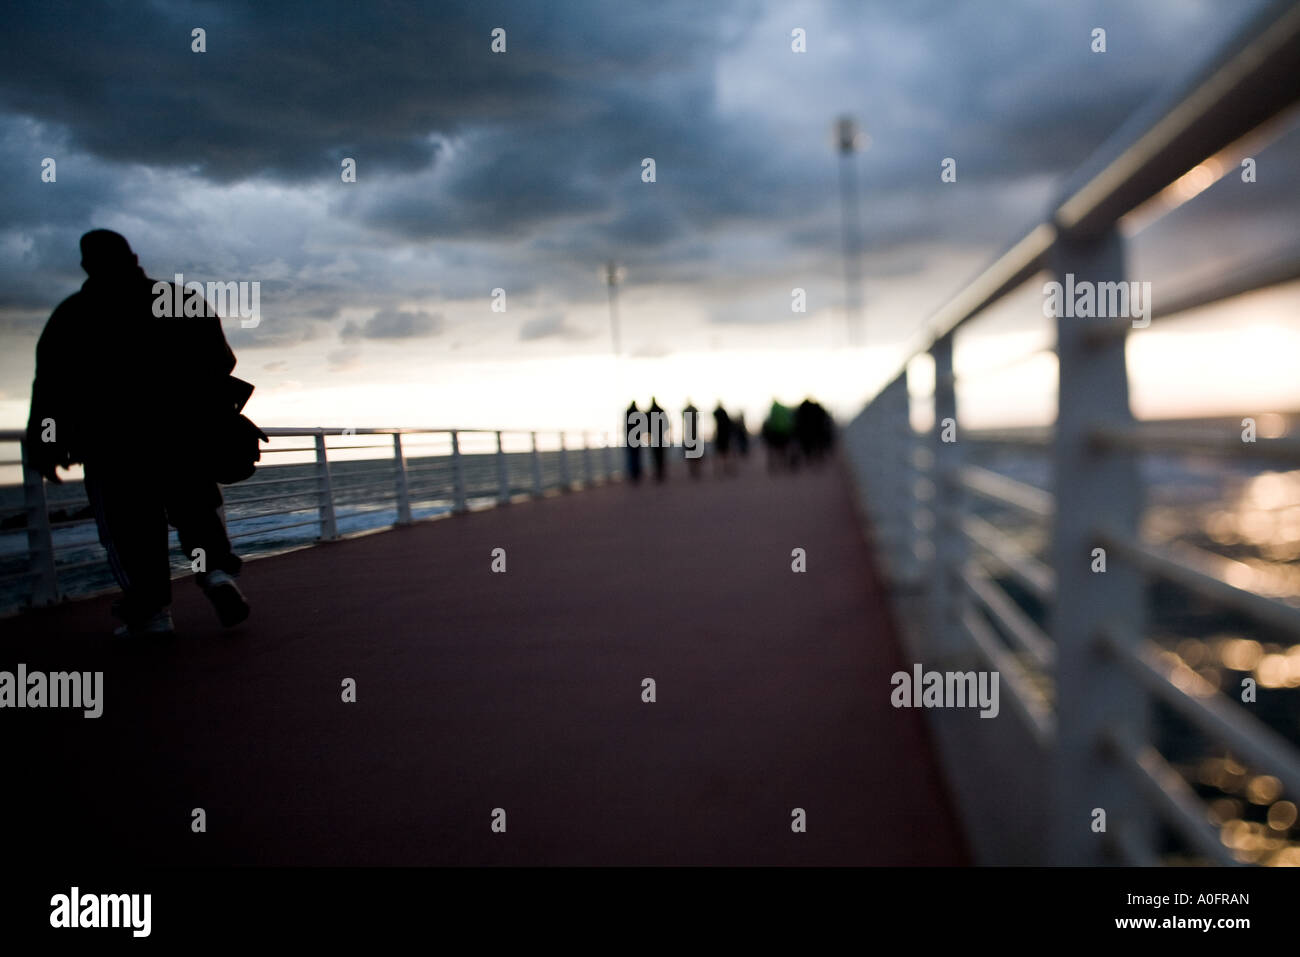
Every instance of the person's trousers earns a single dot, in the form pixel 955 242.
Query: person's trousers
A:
pixel 133 507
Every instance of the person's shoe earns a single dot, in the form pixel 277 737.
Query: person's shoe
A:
pixel 226 598
pixel 158 626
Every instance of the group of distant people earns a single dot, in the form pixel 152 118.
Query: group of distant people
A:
pixel 652 429
pixel 805 433
pixel 792 436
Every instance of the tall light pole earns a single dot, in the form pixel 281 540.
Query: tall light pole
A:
pixel 613 276
pixel 849 139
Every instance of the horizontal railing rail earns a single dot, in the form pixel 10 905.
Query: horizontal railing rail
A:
pixel 1202 581
pixel 1024 699
pixel 1009 616
pixel 1004 490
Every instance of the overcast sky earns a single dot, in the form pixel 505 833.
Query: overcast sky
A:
pixel 522 170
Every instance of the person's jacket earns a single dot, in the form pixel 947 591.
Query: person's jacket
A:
pixel 119 382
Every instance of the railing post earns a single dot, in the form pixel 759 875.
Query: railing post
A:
pixel 949 511
pixel 564 465
pixel 503 474
pixel 904 492
pixel 1095 489
pixel 537 469
pixel 873 470
pixel 891 510
pixel 457 475
pixel 40 538
pixel 588 479
pixel 857 442
pixel 329 528
pixel 403 489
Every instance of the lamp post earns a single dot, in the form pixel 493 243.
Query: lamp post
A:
pixel 849 139
pixel 613 276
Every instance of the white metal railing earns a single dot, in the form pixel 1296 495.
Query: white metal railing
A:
pixel 334 487
pixel 1081 675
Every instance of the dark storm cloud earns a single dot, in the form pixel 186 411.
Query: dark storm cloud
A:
pixel 522 170
pixel 452 141
pixel 287 89
pixel 1012 90
pixel 551 130
pixel 394 324
pixel 555 128
pixel 42 265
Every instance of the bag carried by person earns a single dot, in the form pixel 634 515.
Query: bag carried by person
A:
pixel 236 447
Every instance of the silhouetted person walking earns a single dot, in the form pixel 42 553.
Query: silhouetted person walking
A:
pixel 138 400
pixel 661 435
pixel 742 435
pixel 778 429
pixel 721 439
pixel 632 439
pixel 814 431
